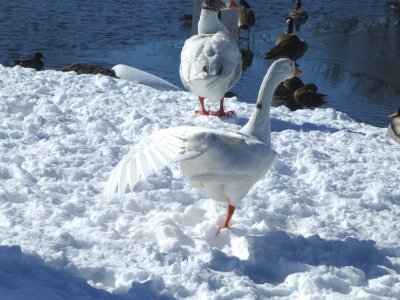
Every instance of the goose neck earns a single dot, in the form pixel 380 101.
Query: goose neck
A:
pixel 209 22
pixel 259 123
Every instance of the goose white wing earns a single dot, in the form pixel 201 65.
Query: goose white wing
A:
pixel 224 157
pixel 151 155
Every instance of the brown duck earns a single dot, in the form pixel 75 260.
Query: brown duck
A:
pixel 31 62
pixel 88 69
pixel 292 47
pixel 246 19
pixel 308 96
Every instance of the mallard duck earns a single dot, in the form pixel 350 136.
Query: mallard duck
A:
pixel 287 88
pixel 284 93
pixel 308 96
pixel 211 61
pixel 298 14
pixel 293 83
pixel 31 62
pixel 394 126
pixel 224 163
pixel 292 47
pixel 246 19
pixel 88 69
pixel 288 33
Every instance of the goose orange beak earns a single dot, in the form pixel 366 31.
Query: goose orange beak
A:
pixel 297 72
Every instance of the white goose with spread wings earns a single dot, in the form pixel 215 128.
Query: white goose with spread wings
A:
pixel 224 163
pixel 211 61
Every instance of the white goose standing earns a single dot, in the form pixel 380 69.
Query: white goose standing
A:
pixel 210 60
pixel 224 163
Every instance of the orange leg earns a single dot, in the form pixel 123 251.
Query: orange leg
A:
pixel 229 213
pixel 221 112
pixel 203 111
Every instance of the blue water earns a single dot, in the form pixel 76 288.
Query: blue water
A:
pixel 353 45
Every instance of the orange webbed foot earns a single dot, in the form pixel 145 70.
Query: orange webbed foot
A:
pixel 220 114
pixel 201 113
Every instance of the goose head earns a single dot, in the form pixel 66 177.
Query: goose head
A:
pixel 283 69
pixel 217 5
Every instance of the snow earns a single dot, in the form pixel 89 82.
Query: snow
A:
pixel 323 223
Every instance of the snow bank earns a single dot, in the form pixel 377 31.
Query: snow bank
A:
pixel 323 224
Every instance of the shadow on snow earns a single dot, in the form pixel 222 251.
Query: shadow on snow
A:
pixel 277 254
pixel 27 277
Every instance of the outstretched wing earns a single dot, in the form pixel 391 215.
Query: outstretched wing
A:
pixel 151 155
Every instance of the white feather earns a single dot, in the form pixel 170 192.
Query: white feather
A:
pixel 148 157
pixel 211 62
pixel 224 163
pixel 210 65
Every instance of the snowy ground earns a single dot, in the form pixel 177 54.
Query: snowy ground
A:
pixel 323 224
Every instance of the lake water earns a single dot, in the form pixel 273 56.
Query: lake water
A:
pixel 353 45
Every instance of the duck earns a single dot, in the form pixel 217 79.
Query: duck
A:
pixel 293 83
pixel 394 126
pixel 211 62
pixel 308 96
pixel 294 94
pixel 287 88
pixel 34 62
pixel 246 19
pixel 292 47
pixel 298 14
pixel 80 68
pixel 283 94
pixel 395 5
pixel 224 163
pixel 288 33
